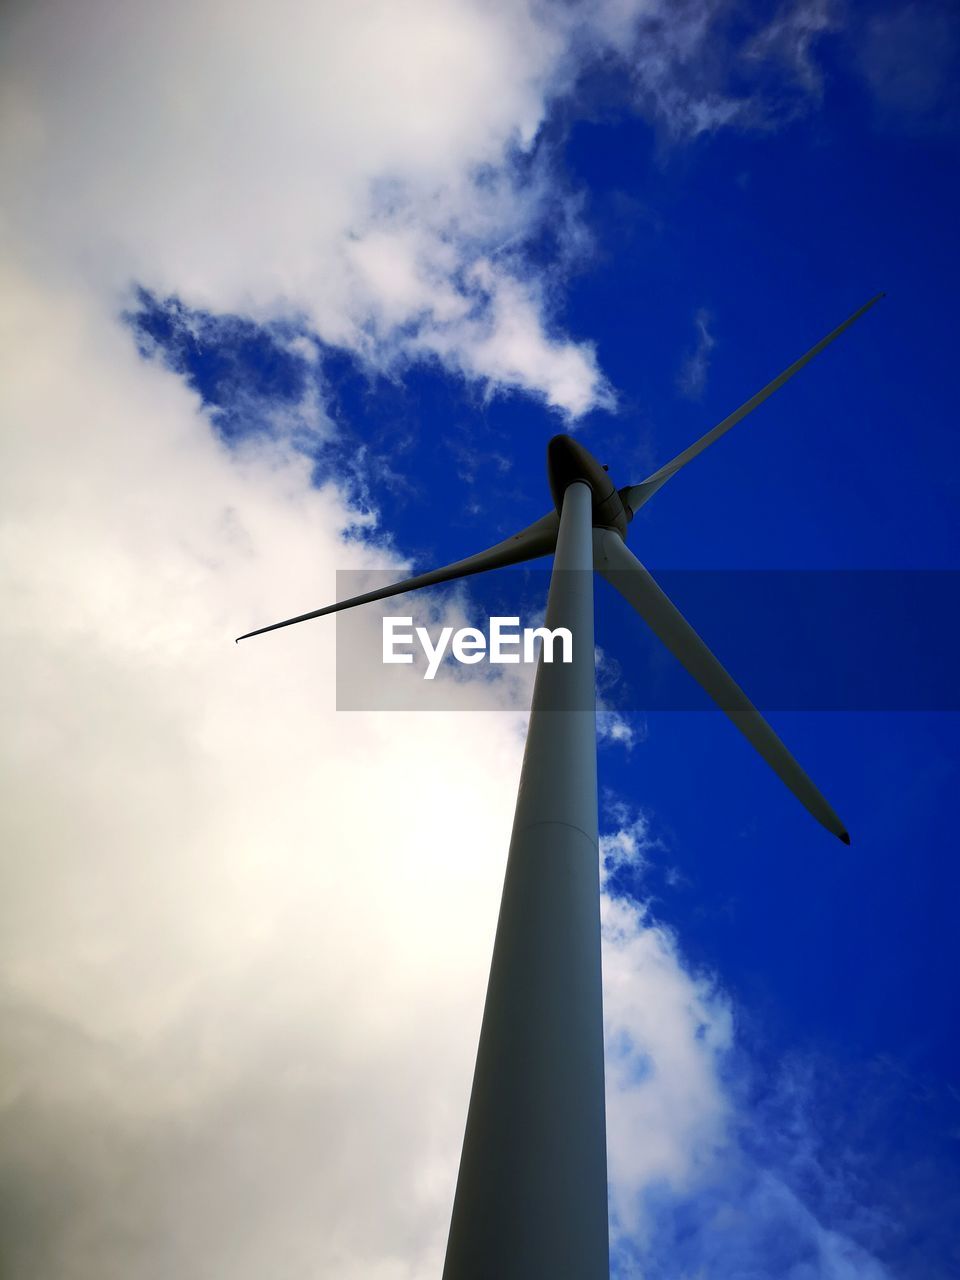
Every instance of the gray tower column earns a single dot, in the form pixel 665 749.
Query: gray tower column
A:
pixel 531 1200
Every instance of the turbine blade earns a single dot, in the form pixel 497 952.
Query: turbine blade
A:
pixel 538 539
pixel 627 575
pixel 635 495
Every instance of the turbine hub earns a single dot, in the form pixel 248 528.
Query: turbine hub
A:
pixel 568 461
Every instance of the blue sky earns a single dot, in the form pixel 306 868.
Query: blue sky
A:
pixel 682 234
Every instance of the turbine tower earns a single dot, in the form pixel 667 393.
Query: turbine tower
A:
pixel 531 1197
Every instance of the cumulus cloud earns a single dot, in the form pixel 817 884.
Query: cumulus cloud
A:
pixel 244 961
pixel 359 164
pixel 374 169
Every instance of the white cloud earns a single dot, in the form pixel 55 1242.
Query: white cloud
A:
pixel 501 343
pixel 245 941
pixel 367 166
pixel 357 163
pixel 613 728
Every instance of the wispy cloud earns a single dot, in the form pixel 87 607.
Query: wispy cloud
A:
pixel 705 66
pixel 705 1180
pixel 790 39
pixel 909 55
pixel 613 728
pixel 692 378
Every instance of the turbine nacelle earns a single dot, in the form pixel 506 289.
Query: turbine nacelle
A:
pixel 568 461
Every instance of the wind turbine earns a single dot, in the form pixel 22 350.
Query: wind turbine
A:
pixel 531 1198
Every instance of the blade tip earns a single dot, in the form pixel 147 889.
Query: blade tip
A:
pixel 845 837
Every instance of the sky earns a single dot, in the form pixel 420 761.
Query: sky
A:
pixel 290 291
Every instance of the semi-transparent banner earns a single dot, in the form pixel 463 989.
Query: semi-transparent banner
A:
pixel 808 640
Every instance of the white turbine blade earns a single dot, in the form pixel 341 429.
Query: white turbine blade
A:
pixel 635 495
pixel 624 572
pixel 538 539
